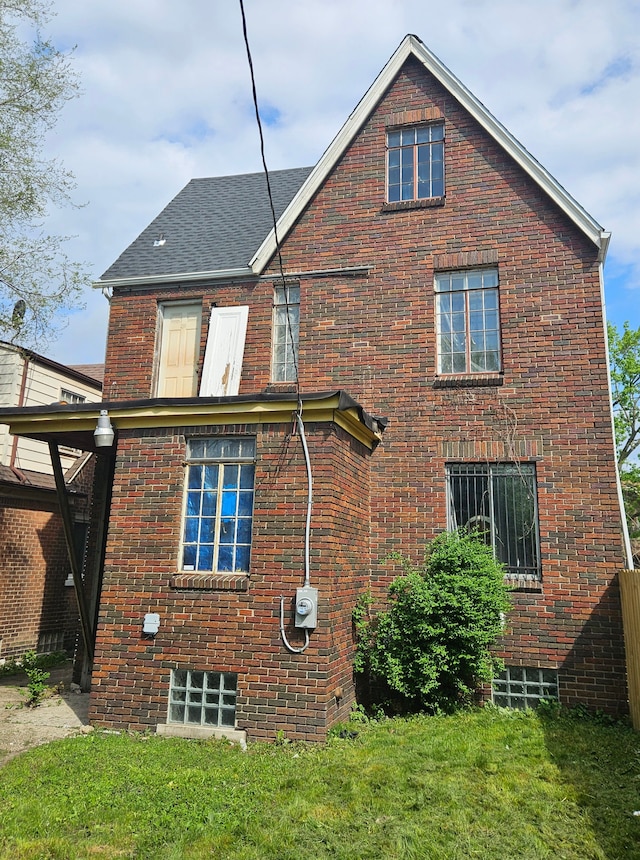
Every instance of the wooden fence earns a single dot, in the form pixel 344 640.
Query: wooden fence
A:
pixel 630 597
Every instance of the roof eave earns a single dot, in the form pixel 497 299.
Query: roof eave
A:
pixel 179 277
pixel 412 46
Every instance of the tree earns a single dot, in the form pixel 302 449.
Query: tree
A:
pixel 432 647
pixel 624 357
pixel 38 283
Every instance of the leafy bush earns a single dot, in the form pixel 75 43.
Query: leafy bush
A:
pixel 430 650
pixel 37 676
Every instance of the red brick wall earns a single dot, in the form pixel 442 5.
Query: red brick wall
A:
pixel 374 336
pixel 34 601
pixel 234 631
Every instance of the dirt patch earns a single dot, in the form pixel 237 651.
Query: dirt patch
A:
pixel 61 713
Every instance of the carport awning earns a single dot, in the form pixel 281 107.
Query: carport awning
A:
pixel 73 425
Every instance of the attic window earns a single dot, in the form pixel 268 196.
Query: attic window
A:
pixel 415 163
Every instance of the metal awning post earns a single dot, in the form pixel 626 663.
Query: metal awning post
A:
pixel 65 512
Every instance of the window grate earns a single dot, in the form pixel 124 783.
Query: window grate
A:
pixel 203 698
pixel 498 501
pixel 524 687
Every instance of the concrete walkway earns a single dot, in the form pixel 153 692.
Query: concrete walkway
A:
pixel 58 716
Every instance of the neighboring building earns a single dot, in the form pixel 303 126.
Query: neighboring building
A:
pixel 438 275
pixel 38 609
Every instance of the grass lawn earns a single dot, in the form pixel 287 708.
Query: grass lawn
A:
pixel 481 784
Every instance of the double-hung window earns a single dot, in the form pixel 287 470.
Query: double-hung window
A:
pixel 415 163
pixel 467 321
pixel 218 507
pixel 498 501
pixel 286 327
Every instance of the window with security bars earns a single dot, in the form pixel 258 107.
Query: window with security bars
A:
pixel 498 501
pixel 467 321
pixel 523 687
pixel 218 507
pixel 286 328
pixel 203 698
pixel 415 163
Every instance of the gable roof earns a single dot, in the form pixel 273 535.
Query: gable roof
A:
pixel 412 46
pixel 222 226
pixel 213 226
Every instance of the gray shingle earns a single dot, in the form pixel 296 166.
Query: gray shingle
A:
pixel 214 223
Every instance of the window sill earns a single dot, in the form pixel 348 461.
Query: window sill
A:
pixel 184 730
pixel 523 584
pixel 281 388
pixel 210 581
pixel 468 380
pixel 426 203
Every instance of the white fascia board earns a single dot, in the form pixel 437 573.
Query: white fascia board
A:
pixel 412 46
pixel 217 274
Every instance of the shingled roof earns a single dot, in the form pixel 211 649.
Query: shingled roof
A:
pixel 214 224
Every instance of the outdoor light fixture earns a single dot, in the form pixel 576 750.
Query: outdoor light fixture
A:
pixel 103 435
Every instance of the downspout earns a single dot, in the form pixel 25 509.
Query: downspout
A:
pixel 625 530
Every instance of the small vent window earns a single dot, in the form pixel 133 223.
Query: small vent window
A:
pixel 524 687
pixel 199 698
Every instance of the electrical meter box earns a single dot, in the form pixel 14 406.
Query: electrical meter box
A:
pixel 307 607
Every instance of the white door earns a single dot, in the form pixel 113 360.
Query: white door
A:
pixel 179 345
pixel 224 352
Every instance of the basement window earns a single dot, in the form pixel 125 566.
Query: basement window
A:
pixel 524 687
pixel 199 698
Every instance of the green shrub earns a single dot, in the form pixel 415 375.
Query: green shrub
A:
pixel 37 676
pixel 430 650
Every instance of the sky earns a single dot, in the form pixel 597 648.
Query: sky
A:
pixel 166 97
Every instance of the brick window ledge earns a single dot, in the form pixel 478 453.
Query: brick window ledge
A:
pixel 424 203
pixel 210 581
pixel 468 380
pixel 523 584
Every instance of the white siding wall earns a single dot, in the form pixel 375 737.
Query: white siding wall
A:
pixel 43 386
pixel 10 373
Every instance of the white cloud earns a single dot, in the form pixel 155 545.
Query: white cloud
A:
pixel 167 97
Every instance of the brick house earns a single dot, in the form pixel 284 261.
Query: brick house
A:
pixel 425 349
pixel 38 609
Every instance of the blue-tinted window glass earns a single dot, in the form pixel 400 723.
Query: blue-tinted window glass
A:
pixel 215 527
pixel 207 530
pixel 189 557
pixel 208 504
pixel 230 477
pixel 191 529
pixel 195 477
pixel 193 503
pixel 205 557
pixel 225 557
pixel 246 477
pixel 245 503
pixel 210 477
pixel 242 557
pixel 227 531
pixel 244 531
pixel 229 503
